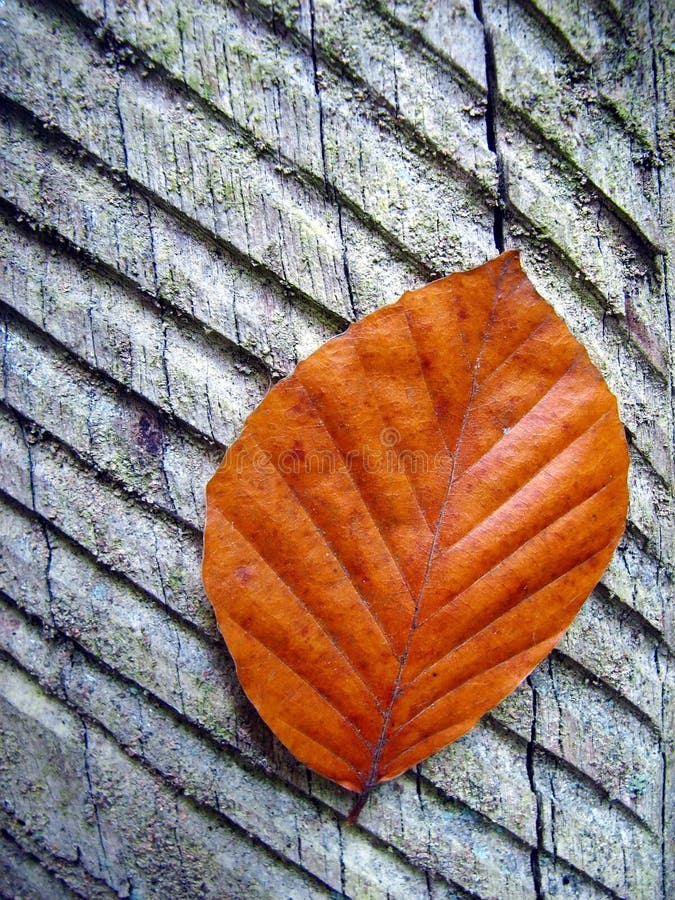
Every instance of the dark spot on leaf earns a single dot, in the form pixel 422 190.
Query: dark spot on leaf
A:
pixel 243 574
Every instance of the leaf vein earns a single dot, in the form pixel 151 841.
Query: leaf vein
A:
pixel 544 319
pixel 326 699
pixel 518 549
pixel 449 693
pixel 372 778
pixel 520 487
pixel 413 341
pixel 332 752
pixel 534 406
pixel 348 578
pixel 355 344
pixel 487 626
pixel 356 486
pixel 331 637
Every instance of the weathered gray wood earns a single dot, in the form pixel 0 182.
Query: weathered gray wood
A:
pixel 194 197
pixel 541 77
pixel 136 230
pixel 596 626
pixel 133 820
pixel 24 876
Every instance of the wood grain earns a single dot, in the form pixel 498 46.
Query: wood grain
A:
pixel 155 281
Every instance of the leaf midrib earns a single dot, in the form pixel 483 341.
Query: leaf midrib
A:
pixel 373 774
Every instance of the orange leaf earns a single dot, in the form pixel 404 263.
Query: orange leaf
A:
pixel 411 520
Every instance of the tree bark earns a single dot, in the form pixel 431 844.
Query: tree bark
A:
pixel 196 195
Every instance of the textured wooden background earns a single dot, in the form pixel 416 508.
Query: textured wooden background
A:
pixel 196 194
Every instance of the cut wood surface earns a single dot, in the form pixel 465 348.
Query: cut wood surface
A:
pixel 193 198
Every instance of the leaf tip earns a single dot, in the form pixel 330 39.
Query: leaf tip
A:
pixel 510 259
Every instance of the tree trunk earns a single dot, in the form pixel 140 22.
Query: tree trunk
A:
pixel 196 195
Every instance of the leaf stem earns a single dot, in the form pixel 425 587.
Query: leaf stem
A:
pixel 358 806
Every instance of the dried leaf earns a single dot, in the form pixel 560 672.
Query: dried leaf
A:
pixel 410 521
